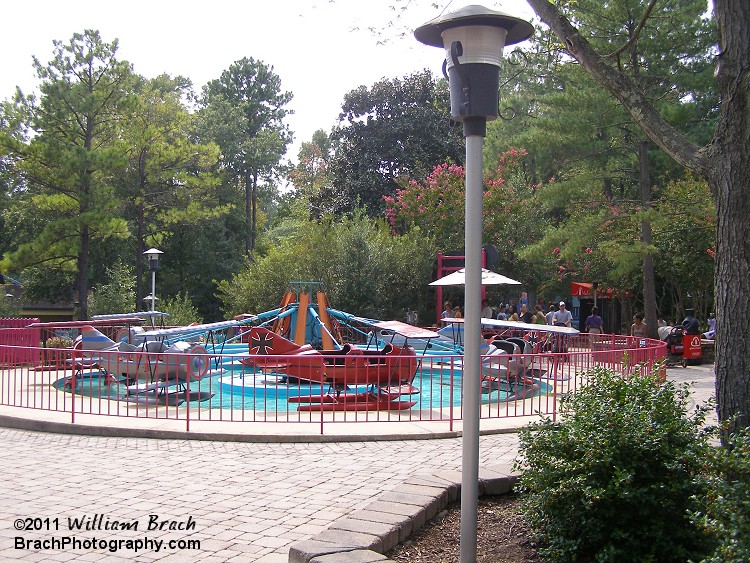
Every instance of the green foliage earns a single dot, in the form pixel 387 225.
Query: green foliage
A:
pixel 117 296
pixel 243 112
pixel 396 128
pixel 684 226
pixel 311 176
pixel 364 268
pixel 48 284
pixel 578 134
pixel 615 477
pixel 9 307
pixel 437 206
pixel 181 310
pixel 726 506
pixel 74 153
pixel 58 342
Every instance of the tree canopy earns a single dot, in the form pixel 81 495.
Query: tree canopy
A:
pixel 395 128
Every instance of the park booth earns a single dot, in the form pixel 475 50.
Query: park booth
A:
pixel 606 300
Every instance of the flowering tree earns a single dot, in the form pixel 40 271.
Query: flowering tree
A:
pixel 437 206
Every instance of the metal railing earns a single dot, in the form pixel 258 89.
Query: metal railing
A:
pixel 229 388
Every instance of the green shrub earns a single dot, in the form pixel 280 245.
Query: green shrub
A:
pixel 117 296
pixel 58 342
pixel 616 477
pixel 726 506
pixel 181 311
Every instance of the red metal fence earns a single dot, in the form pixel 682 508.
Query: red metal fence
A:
pixel 212 387
pixel 14 332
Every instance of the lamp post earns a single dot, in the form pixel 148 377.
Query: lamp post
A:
pixel 153 264
pixel 473 38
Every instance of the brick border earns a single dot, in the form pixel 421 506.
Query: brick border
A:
pixel 392 517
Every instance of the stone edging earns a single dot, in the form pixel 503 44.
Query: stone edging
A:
pixel 392 517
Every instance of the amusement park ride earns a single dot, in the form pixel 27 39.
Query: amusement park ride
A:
pixel 354 363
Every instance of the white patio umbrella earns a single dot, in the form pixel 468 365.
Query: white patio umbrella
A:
pixel 488 278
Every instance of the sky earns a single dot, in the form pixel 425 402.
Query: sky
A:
pixel 320 49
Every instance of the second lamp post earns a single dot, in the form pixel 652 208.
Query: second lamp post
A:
pixel 153 264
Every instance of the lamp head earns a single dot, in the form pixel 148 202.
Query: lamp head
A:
pixel 484 24
pixel 473 38
pixel 152 254
pixel 153 258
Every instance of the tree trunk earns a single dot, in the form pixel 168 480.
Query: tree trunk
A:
pixel 139 250
pixel 83 278
pixel 649 284
pixel 729 178
pixel 254 213
pixel 248 211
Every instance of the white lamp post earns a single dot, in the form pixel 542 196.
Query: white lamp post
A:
pixel 473 38
pixel 153 264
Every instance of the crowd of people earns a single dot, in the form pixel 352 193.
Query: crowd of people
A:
pixel 561 316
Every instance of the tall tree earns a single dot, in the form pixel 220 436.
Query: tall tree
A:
pixel 635 34
pixel 724 163
pixel 168 178
pixel 311 176
pixel 74 152
pixel 243 112
pixel 398 127
pixel 589 143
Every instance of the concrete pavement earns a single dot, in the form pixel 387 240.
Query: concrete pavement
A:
pixel 244 501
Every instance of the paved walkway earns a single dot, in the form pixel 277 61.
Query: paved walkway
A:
pixel 243 501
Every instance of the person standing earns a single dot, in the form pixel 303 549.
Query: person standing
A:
pixel 512 315
pixel 525 316
pixel 562 316
pixel 638 328
pixel 691 324
pixel 594 323
pixel 447 311
pixel 539 317
pixel 550 313
pixel 486 310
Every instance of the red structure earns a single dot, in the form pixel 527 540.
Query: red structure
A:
pixel 691 347
pixel 586 289
pixel 26 340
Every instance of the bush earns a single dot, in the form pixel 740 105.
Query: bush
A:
pixel 58 342
pixel 181 311
pixel 726 513
pixel 117 296
pixel 616 478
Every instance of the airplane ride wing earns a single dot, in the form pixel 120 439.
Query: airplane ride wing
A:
pixel 130 316
pixel 527 326
pixel 195 329
pixel 458 325
pixel 407 330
